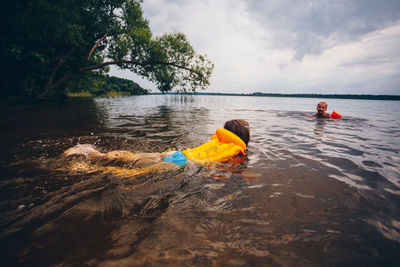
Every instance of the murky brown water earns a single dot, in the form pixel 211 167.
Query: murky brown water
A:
pixel 311 192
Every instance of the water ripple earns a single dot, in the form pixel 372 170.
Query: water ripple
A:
pixel 309 192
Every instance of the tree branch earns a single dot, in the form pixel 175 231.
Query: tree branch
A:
pixel 96 45
pixel 114 62
pixel 143 64
pixel 63 56
pixel 61 59
pixel 49 84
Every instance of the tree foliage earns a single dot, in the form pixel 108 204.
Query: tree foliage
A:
pixel 46 43
pixel 96 84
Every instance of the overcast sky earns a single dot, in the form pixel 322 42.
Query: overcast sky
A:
pixel 288 46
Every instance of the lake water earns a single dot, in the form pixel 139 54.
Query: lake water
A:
pixel 311 191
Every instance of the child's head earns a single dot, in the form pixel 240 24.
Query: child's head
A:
pixel 240 128
pixel 322 107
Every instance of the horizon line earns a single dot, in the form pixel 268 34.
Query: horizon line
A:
pixel 305 95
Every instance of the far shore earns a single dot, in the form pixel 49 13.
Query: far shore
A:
pixel 338 96
pixel 27 100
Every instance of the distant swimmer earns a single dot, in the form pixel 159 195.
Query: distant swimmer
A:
pixel 321 112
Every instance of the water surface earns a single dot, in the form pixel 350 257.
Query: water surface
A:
pixel 311 191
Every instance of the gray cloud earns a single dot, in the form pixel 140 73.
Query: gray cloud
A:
pixel 373 61
pixel 318 25
pixel 339 46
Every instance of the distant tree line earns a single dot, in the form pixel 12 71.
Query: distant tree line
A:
pixel 46 46
pixel 339 96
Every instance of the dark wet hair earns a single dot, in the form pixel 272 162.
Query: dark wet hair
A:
pixel 239 127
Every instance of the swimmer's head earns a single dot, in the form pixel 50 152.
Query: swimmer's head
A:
pixel 322 107
pixel 239 127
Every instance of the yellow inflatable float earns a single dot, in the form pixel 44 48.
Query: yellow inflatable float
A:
pixel 222 146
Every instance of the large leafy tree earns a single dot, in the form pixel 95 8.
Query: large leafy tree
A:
pixel 45 43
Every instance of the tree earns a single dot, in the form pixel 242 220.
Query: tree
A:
pixel 47 43
pixel 102 85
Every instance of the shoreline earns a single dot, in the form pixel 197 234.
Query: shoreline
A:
pixel 332 96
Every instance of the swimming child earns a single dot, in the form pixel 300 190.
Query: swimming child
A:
pixel 228 142
pixel 321 108
pixel 321 112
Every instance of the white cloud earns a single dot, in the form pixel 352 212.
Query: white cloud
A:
pixel 251 52
pixel 369 65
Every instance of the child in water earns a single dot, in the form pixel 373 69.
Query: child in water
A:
pixel 227 143
pixel 321 112
pixel 321 108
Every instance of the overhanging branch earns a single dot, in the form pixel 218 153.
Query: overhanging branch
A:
pixel 69 75
pixel 63 57
pixel 96 45
pixel 143 64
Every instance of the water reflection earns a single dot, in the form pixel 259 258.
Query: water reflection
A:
pixel 66 117
pixel 319 126
pixel 162 125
